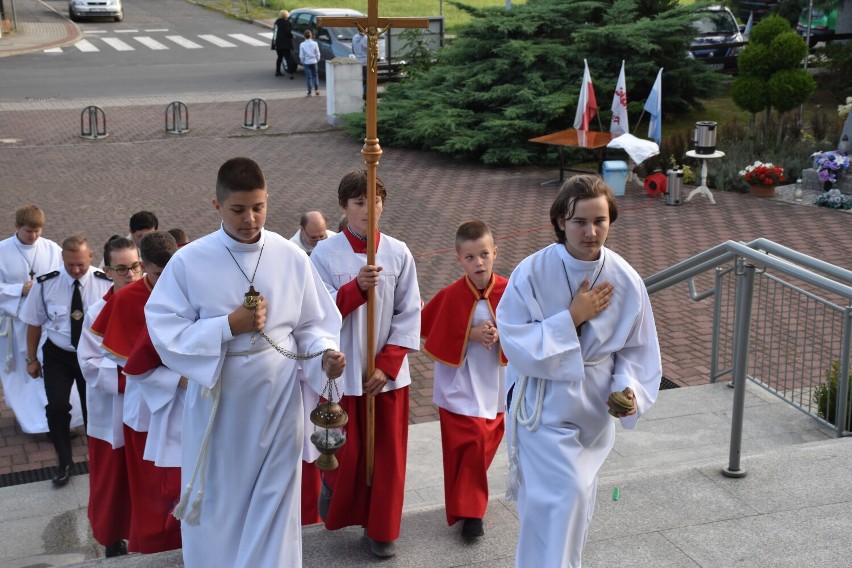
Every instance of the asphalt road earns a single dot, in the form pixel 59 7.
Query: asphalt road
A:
pixel 162 47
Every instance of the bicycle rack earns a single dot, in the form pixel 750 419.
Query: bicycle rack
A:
pixel 92 130
pixel 177 118
pixel 255 121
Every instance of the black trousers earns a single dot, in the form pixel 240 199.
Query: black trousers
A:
pixel 285 55
pixel 61 371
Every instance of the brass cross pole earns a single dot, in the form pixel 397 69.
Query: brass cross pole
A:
pixel 373 26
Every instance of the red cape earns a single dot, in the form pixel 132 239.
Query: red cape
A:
pixel 450 313
pixel 143 356
pixel 123 318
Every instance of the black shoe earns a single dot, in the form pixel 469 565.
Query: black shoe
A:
pixel 118 548
pixel 472 528
pixel 62 475
pixel 291 76
pixel 278 74
pixel 383 549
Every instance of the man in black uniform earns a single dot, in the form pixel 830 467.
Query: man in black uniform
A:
pixel 57 302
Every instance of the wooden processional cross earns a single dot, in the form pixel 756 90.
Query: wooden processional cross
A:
pixel 372 26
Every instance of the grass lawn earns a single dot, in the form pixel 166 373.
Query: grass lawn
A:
pixel 453 17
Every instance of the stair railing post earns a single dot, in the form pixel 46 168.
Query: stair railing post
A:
pixel 742 334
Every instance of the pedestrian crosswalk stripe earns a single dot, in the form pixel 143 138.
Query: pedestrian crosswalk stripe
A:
pixel 247 39
pixel 53 50
pixel 217 41
pixel 183 42
pixel 150 43
pixel 85 45
pixel 95 32
pixel 117 44
pixel 126 31
pixel 267 35
pixel 155 30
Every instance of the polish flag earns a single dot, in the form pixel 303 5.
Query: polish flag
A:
pixel 619 125
pixel 587 107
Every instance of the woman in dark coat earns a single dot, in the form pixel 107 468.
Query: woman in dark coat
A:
pixel 282 43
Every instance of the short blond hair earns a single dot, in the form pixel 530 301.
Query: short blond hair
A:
pixel 75 243
pixel 284 14
pixel 29 216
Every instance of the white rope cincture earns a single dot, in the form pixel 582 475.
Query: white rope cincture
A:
pixel 7 332
pixel 193 516
pixel 519 417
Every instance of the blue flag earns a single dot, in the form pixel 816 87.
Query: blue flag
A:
pixel 654 107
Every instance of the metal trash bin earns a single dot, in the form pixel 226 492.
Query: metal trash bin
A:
pixel 674 187
pixel 615 175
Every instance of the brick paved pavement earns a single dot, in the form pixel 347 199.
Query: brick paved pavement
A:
pixel 94 186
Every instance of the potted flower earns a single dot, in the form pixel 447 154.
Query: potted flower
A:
pixel 829 166
pixel 763 177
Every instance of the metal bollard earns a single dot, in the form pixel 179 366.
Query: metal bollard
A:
pixel 179 115
pixel 256 121
pixel 92 130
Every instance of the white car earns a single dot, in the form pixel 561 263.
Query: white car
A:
pixel 79 9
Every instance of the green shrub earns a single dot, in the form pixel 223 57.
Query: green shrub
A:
pixel 787 51
pixel 790 88
pixel 767 29
pixel 825 396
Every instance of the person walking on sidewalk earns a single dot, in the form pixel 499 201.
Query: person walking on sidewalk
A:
pixel 282 43
pixel 309 55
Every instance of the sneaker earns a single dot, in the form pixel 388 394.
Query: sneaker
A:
pixel 118 548
pixel 324 501
pixel 316 93
pixel 309 94
pixel 291 76
pixel 472 528
pixel 383 549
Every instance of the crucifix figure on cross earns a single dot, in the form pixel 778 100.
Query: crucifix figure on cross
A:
pixel 373 26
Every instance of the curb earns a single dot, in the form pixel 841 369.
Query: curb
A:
pixel 72 35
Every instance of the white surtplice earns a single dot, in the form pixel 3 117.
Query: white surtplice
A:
pixel 104 402
pixel 23 394
pixel 560 432
pixel 251 474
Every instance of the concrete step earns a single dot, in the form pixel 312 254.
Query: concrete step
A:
pixel 667 472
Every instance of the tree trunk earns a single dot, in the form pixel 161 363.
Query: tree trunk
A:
pixel 766 124
pixel 779 131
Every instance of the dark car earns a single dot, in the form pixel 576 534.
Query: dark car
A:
pixel 333 42
pixel 719 39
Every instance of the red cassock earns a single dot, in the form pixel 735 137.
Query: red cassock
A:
pixel 469 443
pixel 379 507
pixel 154 491
pixel 311 487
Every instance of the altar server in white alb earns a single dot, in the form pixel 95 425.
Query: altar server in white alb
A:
pixel 23 256
pixel 346 499
pixel 576 325
pixel 228 313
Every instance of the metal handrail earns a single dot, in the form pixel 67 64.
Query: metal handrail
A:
pixel 760 251
pixel 747 256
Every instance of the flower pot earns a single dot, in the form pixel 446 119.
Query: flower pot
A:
pixel 763 190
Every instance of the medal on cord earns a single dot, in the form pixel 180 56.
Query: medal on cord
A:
pixel 252 300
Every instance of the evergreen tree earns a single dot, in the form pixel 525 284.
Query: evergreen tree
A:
pixel 511 75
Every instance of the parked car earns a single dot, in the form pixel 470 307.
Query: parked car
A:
pixel 823 24
pixel 758 9
pixel 79 9
pixel 333 42
pixel 719 39
pixel 337 41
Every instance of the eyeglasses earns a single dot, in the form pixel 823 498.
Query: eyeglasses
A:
pixel 122 270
